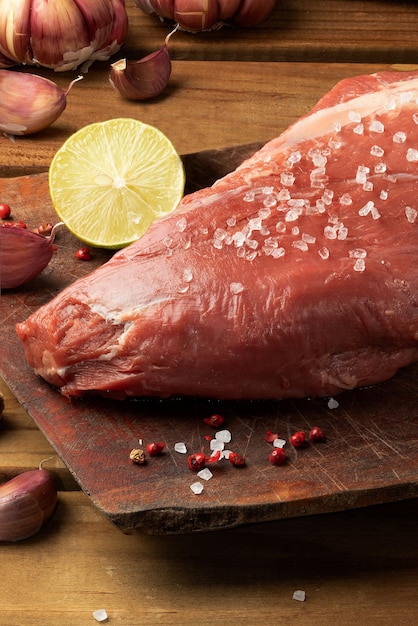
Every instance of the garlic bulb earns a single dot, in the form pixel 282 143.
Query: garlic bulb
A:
pixel 62 34
pixel 145 78
pixel 29 103
pixel 198 15
pixel 23 254
pixel 27 501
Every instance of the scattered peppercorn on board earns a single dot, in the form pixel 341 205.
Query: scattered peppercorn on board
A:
pixel 370 454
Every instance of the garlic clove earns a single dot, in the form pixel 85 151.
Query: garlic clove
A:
pixel 145 78
pixel 64 34
pixel 29 103
pixel 15 26
pixel 23 254
pixel 117 34
pixel 27 502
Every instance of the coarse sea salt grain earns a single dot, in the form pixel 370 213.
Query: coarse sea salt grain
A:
pixel 354 116
pixel 346 199
pixel 279 443
pixel 180 447
pixel 377 127
pixel 187 275
pixel 287 179
pixel 205 474
pixel 223 435
pixel 197 488
pixel 411 214
pixel 323 253
pixel 216 445
pixel 357 253
pixel 380 168
pixel 377 151
pixel 181 224
pixel 333 404
pixel 299 595
pixel 359 265
pixel 100 615
pixel 399 137
pixel 412 155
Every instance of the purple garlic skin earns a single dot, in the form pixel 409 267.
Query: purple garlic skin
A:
pixel 29 103
pixel 27 502
pixel 61 35
pixel 23 255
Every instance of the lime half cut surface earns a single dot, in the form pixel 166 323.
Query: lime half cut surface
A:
pixel 110 180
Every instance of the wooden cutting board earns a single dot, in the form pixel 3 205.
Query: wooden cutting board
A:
pixel 370 455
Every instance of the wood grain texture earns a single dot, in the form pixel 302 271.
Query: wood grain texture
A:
pixel 367 458
pixel 358 31
pixel 360 566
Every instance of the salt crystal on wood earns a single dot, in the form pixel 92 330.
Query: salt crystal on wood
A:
pixel 196 488
pixel 216 445
pixel 205 474
pixel 223 435
pixel 100 615
pixel 279 443
pixel 180 447
pixel 299 595
pixel 332 403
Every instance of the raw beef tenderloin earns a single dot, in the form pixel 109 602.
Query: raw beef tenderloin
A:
pixel 295 275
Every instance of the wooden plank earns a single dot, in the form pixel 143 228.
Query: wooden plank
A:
pixel 357 566
pixel 367 459
pixel 298 30
pixel 23 447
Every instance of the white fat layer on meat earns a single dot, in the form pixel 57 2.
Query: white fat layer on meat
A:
pixel 323 121
pixel 121 316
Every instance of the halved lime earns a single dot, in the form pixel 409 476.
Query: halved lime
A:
pixel 111 179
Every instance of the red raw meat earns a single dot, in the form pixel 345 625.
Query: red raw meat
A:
pixel 293 276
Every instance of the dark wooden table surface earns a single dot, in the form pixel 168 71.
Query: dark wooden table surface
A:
pixel 361 566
